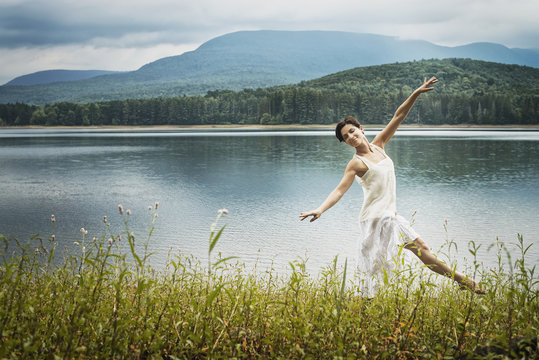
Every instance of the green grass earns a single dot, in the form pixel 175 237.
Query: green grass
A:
pixel 106 302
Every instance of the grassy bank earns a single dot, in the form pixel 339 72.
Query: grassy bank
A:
pixel 105 301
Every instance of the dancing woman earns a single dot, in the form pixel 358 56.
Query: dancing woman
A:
pixel 382 230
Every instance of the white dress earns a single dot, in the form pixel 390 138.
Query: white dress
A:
pixel 383 232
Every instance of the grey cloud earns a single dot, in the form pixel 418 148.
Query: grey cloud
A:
pixel 133 23
pixel 25 25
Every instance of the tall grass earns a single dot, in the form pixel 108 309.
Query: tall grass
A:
pixel 106 301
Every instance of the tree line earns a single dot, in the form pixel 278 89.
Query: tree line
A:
pixel 301 105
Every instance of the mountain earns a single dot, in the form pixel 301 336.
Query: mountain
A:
pixel 52 76
pixel 253 59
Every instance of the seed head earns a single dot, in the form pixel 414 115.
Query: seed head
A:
pixel 156 205
pixel 128 212
pixel 53 219
pixel 120 209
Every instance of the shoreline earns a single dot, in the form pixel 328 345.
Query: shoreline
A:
pixel 276 127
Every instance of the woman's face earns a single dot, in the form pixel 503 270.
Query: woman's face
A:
pixel 353 135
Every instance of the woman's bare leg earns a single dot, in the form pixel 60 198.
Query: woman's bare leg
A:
pixel 422 251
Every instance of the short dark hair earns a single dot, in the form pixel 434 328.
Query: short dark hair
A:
pixel 347 120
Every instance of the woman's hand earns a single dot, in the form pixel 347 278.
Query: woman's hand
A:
pixel 426 85
pixel 315 214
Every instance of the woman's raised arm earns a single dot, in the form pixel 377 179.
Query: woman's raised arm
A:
pixel 385 135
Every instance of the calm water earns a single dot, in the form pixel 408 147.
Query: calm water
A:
pixel 483 183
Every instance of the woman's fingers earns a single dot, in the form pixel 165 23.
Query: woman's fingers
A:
pixel 304 216
pixel 428 83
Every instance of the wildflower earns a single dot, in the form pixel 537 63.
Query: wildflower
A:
pixel 83 231
pixel 95 237
pixel 120 209
pixel 76 243
pixel 53 219
pixel 110 241
pixel 105 219
pixel 150 208
pixel 128 212
pixel 156 205
pixel 36 251
pixel 53 237
pixel 223 212
pixel 119 237
pixel 155 215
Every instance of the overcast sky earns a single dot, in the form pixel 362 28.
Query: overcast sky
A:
pixel 126 34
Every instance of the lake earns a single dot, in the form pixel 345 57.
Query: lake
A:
pixel 481 184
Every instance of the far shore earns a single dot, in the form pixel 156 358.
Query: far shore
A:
pixel 269 127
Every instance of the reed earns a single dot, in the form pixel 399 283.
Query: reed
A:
pixel 106 301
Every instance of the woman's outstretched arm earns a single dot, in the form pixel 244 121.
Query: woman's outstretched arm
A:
pixel 354 167
pixel 385 135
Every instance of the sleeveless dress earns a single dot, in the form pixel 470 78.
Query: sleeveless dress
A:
pixel 383 232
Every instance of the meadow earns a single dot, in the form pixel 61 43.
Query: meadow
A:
pixel 106 301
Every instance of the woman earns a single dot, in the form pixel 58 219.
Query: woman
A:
pixel 382 230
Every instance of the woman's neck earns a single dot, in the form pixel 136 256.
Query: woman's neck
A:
pixel 364 148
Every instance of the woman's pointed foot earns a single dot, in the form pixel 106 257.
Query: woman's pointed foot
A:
pixel 471 285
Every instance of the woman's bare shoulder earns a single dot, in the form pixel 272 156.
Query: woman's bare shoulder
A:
pixel 357 166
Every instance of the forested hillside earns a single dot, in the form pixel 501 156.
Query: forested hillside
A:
pixel 469 92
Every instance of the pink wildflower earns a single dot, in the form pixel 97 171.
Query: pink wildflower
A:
pixel 120 209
